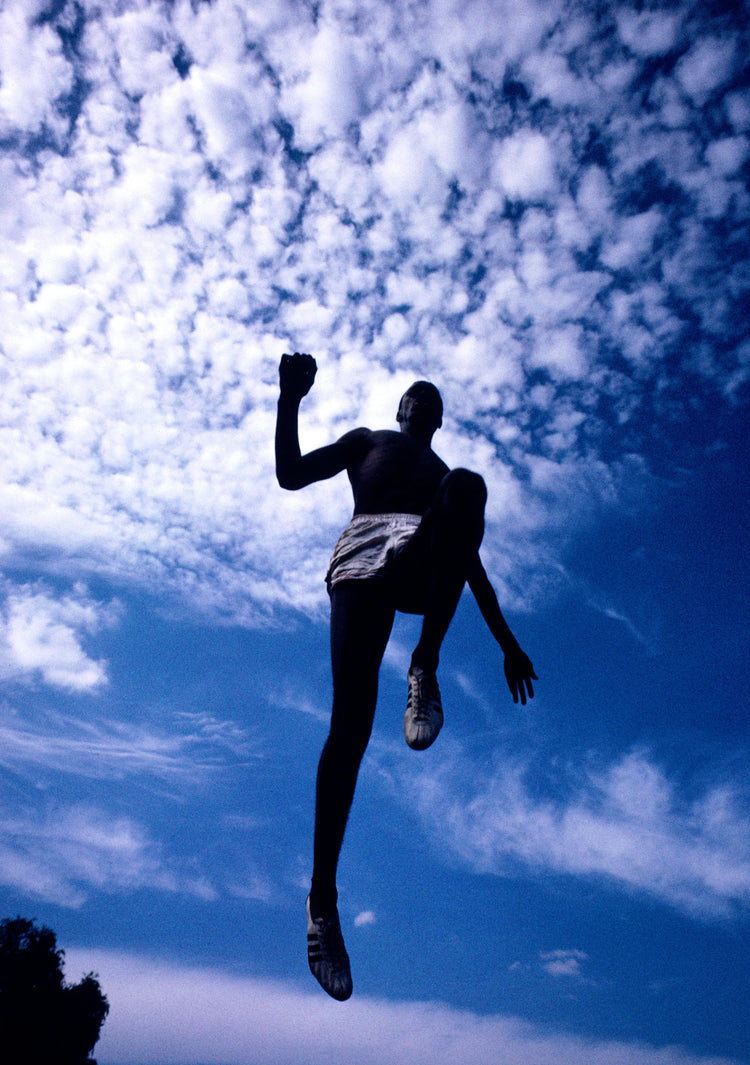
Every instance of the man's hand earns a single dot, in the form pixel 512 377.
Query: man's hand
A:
pixel 296 375
pixel 519 674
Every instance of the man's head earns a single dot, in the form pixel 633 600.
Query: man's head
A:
pixel 420 411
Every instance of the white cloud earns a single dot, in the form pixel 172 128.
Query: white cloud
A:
pixel 62 856
pixel 40 636
pixel 563 962
pixel 524 166
pixel 191 749
pixel 230 107
pixel 594 197
pixel 238 1019
pixel 35 72
pixel 330 94
pixel 626 823
pixel 561 352
pixel 550 76
pixel 633 241
pixel 705 68
pixel 62 853
pixel 648 32
pixel 727 154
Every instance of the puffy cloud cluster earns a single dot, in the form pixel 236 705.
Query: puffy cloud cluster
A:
pixel 39 636
pixel 540 209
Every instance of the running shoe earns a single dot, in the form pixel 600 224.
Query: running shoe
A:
pixel 424 712
pixel 326 954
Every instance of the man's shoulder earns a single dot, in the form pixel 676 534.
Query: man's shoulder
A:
pixel 356 443
pixel 385 436
pixel 360 435
pixel 390 442
pixel 371 438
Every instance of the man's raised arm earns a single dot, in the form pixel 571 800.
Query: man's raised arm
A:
pixel 296 376
pixel 293 469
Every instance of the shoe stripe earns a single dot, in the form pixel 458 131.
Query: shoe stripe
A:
pixel 327 957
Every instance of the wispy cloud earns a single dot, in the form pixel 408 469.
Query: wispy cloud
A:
pixel 235 1020
pixel 73 850
pixel 644 633
pixel 294 697
pixel 62 852
pixel 625 823
pixel 102 748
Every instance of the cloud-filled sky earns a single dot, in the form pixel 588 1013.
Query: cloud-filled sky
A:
pixel 544 209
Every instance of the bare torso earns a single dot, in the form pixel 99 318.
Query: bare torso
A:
pixel 390 472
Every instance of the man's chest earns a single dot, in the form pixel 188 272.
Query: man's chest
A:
pixel 397 474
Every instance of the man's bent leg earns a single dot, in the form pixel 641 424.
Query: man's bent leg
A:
pixel 361 621
pixel 447 540
pixel 453 530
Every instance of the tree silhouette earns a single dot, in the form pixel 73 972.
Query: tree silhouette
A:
pixel 43 1020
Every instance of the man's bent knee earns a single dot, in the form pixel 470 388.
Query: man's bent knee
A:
pixel 462 489
pixel 457 515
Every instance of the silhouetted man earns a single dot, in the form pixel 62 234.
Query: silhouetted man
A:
pixel 412 545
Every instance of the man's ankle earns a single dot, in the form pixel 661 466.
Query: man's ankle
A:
pixel 427 663
pixel 323 904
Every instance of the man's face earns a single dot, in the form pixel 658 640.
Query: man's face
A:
pixel 420 411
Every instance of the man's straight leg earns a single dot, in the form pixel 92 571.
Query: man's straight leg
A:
pixel 361 621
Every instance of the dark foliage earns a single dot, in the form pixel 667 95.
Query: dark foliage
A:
pixel 43 1020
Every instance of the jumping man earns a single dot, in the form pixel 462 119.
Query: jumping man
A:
pixel 412 545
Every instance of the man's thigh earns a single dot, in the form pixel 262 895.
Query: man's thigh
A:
pixel 409 573
pixel 362 613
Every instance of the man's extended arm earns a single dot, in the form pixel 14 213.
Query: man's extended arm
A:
pixel 519 671
pixel 293 469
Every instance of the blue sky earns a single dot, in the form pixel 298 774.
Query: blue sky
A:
pixel 543 208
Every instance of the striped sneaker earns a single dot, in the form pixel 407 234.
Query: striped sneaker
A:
pixel 326 954
pixel 424 712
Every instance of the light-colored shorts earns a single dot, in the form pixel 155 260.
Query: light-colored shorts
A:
pixel 368 545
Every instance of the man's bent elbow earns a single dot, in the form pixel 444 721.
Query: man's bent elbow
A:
pixel 288 482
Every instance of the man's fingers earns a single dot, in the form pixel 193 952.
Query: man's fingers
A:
pixel 299 355
pixel 519 686
pixel 297 372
